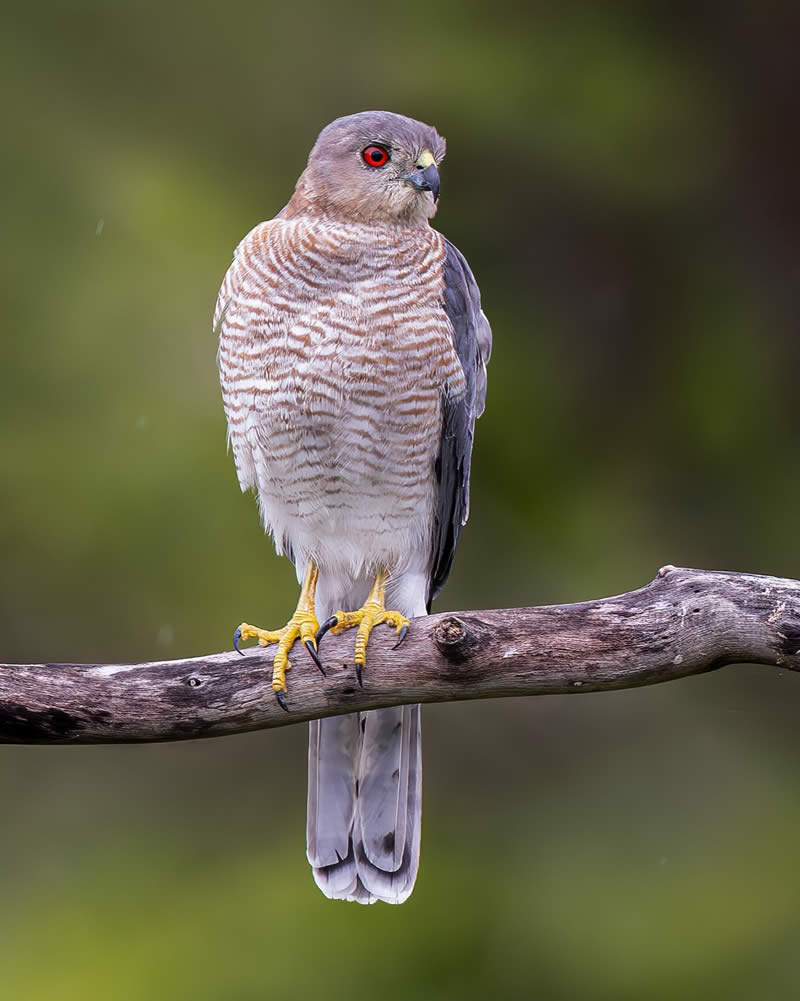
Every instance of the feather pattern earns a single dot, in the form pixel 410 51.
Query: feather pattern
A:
pixel 334 354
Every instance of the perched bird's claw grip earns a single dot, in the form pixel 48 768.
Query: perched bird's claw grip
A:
pixel 372 613
pixel 302 626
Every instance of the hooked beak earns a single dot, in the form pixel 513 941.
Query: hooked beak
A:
pixel 426 179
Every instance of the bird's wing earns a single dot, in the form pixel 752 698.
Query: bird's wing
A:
pixel 472 337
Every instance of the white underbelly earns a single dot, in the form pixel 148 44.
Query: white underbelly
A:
pixel 353 487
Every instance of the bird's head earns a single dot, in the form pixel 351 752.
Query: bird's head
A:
pixel 374 167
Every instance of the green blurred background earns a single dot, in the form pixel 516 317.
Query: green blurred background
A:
pixel 623 180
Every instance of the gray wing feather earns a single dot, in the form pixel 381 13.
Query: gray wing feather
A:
pixel 472 338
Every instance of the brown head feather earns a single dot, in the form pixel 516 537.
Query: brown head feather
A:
pixel 338 183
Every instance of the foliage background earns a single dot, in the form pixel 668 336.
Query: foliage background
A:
pixel 623 180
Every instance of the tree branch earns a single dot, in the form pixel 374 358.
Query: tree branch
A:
pixel 684 622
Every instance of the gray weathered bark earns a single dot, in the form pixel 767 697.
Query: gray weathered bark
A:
pixel 684 622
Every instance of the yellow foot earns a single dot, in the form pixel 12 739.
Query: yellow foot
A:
pixel 302 626
pixel 371 614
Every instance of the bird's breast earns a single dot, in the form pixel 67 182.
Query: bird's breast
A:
pixel 334 355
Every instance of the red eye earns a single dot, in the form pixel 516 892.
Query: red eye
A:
pixel 375 156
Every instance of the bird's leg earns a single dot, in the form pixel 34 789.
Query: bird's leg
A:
pixel 303 625
pixel 371 613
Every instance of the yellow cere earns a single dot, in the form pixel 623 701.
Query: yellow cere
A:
pixel 426 159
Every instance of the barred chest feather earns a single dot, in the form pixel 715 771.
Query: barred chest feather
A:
pixel 334 354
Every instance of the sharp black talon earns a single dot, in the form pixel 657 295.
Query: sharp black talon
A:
pixel 401 637
pixel 309 645
pixel 359 677
pixel 236 637
pixel 326 625
pixel 281 701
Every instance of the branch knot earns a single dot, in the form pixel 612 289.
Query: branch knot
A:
pixel 449 633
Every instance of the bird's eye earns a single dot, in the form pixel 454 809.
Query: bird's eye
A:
pixel 375 156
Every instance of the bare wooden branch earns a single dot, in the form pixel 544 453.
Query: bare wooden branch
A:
pixel 684 622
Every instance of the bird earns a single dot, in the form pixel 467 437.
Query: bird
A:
pixel 352 359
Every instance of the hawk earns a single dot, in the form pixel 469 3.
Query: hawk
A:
pixel 352 357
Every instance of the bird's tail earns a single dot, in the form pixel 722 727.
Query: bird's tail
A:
pixel 365 803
